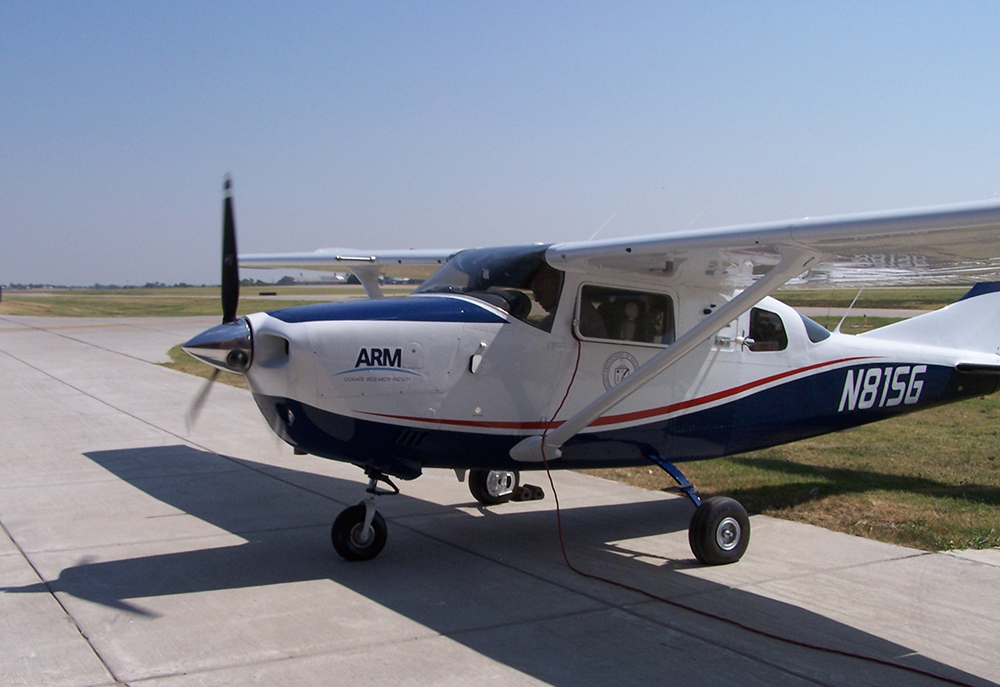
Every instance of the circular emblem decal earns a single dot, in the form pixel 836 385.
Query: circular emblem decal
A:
pixel 619 366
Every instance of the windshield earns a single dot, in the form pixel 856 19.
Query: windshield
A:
pixel 515 278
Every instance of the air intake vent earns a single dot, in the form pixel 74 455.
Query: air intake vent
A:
pixel 410 437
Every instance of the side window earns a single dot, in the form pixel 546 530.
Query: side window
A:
pixel 537 309
pixel 814 330
pixel 624 315
pixel 767 331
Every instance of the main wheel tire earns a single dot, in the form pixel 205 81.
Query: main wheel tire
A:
pixel 720 531
pixel 349 538
pixel 493 487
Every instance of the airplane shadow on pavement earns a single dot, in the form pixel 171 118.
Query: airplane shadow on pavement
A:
pixel 493 580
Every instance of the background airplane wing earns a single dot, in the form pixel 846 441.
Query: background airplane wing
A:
pixel 366 265
pixel 923 246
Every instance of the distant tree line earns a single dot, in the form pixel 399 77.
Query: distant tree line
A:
pixel 98 286
pixel 284 281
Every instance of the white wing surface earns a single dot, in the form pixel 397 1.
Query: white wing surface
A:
pixel 366 265
pixel 928 245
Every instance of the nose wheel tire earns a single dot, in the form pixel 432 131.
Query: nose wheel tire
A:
pixel 352 539
pixel 493 487
pixel 720 531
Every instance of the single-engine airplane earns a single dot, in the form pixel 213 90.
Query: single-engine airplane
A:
pixel 622 352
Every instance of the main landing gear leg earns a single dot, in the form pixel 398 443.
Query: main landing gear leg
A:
pixel 359 532
pixel 720 529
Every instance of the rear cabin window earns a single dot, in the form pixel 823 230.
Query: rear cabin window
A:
pixel 814 330
pixel 624 315
pixel 767 331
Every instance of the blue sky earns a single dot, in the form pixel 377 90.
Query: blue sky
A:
pixel 470 124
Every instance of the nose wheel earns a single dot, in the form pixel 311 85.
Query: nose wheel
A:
pixel 359 532
pixel 355 537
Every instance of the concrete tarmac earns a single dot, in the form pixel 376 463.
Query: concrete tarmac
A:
pixel 132 552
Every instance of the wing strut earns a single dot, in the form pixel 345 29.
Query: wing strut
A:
pixel 793 263
pixel 368 276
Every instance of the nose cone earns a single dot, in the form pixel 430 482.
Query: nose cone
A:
pixel 226 346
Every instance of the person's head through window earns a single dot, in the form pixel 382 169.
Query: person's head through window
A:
pixel 545 285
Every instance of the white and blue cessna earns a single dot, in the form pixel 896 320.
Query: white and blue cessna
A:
pixel 656 349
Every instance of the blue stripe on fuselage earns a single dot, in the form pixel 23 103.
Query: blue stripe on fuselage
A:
pixel 417 309
pixel 787 412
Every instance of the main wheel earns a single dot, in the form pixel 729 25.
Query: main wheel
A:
pixel 720 531
pixel 350 538
pixel 492 487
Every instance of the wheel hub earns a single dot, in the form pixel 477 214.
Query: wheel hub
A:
pixel 500 482
pixel 727 534
pixel 362 536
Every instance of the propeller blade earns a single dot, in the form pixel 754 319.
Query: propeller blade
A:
pixel 230 268
pixel 195 410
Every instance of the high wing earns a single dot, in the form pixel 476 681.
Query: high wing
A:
pixel 748 262
pixel 916 246
pixel 929 245
pixel 366 265
pixel 923 246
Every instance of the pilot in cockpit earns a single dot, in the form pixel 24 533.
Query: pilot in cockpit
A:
pixel 546 285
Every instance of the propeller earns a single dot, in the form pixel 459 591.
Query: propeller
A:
pixel 228 346
pixel 230 268
pixel 199 401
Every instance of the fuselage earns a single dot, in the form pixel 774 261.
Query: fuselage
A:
pixel 453 380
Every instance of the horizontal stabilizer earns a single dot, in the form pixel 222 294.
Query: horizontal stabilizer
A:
pixel 978 369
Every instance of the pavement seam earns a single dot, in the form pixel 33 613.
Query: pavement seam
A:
pixel 625 607
pixel 749 587
pixel 691 635
pixel 65 610
pixel 115 478
pixel 709 639
pixel 70 338
pixel 374 645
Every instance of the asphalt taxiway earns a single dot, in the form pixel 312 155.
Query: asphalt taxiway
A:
pixel 134 552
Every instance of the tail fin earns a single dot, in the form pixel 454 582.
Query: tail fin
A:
pixel 971 323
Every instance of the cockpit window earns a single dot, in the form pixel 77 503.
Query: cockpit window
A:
pixel 516 279
pixel 767 331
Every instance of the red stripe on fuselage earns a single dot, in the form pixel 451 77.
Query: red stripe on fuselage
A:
pixel 624 417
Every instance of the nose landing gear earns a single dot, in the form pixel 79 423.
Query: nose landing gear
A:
pixel 359 533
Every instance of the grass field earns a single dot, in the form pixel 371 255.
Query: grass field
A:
pixel 913 298
pixel 192 301
pixel 930 480
pixel 169 302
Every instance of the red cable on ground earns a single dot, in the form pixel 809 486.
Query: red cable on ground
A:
pixel 706 614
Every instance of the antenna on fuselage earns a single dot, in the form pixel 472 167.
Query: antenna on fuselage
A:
pixel 696 217
pixel 848 311
pixel 606 222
